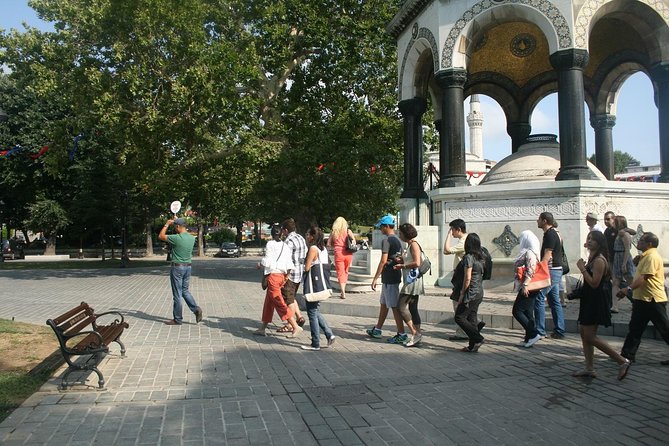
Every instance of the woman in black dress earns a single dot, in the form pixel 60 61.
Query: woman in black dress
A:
pixel 594 308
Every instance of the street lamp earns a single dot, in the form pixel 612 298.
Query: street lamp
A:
pixel 3 117
pixel 2 216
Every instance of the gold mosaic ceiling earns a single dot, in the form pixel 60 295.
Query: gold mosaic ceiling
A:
pixel 517 50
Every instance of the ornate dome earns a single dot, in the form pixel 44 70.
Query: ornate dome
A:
pixel 536 160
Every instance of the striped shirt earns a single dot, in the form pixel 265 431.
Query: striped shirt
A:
pixel 298 247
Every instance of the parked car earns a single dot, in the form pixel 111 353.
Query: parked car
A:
pixel 13 249
pixel 228 249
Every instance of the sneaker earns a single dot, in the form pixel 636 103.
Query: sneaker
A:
pixel 532 341
pixel 374 332
pixel 398 339
pixel 555 335
pixel 415 339
pixel 310 348
pixel 331 340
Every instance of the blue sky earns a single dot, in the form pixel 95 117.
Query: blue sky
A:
pixel 635 132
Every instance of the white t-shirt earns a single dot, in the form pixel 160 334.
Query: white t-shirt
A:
pixel 277 258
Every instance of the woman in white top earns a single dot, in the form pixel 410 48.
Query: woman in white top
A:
pixel 277 262
pixel 316 255
pixel 412 284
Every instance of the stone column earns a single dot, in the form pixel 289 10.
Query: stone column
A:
pixel 452 133
pixel 603 125
pixel 571 102
pixel 660 75
pixel 412 111
pixel 518 131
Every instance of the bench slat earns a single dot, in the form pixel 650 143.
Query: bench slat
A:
pixel 65 316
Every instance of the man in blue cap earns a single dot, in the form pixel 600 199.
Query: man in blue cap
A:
pixel 182 256
pixel 391 253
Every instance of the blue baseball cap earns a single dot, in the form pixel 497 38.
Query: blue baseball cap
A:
pixel 180 222
pixel 385 220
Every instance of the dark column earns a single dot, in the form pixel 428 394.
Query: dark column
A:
pixel 571 101
pixel 518 131
pixel 603 125
pixel 452 133
pixel 660 75
pixel 412 110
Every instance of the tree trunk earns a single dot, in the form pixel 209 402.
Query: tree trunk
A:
pixel 200 240
pixel 149 239
pixel 50 249
pixel 239 233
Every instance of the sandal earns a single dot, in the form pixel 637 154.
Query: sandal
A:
pixel 285 329
pixel 624 368
pixel 584 374
pixel 300 322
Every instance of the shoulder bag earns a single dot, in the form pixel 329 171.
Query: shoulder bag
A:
pixel 316 286
pixel 541 278
pixel 351 245
pixel 425 264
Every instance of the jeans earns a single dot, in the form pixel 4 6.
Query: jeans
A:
pixel 466 317
pixel 316 322
pixel 642 313
pixel 523 311
pixel 553 294
pixel 179 279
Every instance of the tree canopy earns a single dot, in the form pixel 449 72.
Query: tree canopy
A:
pixel 242 109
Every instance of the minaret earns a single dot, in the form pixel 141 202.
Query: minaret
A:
pixel 475 122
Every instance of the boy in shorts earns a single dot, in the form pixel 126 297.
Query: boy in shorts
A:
pixel 391 253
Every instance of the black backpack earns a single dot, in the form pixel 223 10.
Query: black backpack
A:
pixel 487 260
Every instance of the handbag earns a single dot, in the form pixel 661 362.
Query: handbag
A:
pixel 263 282
pixel 425 264
pixel 316 286
pixel 541 278
pixel 351 245
pixel 576 291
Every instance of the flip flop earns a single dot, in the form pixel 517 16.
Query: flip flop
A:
pixel 285 329
pixel 624 368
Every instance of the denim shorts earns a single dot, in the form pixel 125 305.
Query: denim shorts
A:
pixel 390 294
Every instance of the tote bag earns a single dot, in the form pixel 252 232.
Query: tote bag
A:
pixel 541 278
pixel 316 284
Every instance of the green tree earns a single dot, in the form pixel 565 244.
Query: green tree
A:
pixel 48 217
pixel 621 160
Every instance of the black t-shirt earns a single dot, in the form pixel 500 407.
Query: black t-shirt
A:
pixel 610 235
pixel 552 241
pixel 393 246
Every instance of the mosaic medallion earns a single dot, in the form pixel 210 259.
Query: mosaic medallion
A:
pixel 523 45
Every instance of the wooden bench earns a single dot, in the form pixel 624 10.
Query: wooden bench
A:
pixel 75 341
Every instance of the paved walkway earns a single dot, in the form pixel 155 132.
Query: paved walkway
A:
pixel 216 383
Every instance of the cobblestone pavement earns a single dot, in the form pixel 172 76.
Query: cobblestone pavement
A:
pixel 216 383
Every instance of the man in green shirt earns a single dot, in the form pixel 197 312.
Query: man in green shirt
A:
pixel 182 252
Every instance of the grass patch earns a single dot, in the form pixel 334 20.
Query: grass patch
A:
pixel 23 347
pixel 16 387
pixel 80 264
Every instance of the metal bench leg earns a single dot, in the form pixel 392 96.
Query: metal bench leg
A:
pixel 101 379
pixel 118 341
pixel 63 382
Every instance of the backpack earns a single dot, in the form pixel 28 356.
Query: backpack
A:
pixel 487 260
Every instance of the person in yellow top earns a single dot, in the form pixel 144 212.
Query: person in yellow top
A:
pixel 649 298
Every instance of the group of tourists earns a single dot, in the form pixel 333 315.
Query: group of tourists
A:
pixel 609 274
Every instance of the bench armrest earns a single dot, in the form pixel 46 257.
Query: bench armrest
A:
pixel 117 321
